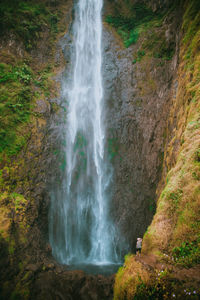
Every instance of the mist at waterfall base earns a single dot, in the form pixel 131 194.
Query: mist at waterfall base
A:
pixel 81 232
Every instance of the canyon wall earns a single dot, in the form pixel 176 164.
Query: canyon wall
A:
pixel 171 242
pixel 138 86
pixel 151 80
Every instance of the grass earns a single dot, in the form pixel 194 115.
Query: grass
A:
pixel 134 282
pixel 128 277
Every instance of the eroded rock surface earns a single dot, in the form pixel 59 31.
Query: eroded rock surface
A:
pixel 137 96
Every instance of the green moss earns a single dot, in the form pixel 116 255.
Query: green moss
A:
pixel 113 147
pixel 27 20
pixel 139 55
pixel 21 292
pixel 152 205
pixel 191 41
pixel 157 45
pixel 175 197
pixel 20 265
pixel 17 92
pixel 191 20
pixel 132 37
pixel 129 28
pixel 18 200
pixel 16 296
pixel 15 105
pixel 11 248
pixel 26 276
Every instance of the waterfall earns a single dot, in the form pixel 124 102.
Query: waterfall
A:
pixel 81 230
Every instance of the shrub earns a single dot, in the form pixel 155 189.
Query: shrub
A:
pixel 188 254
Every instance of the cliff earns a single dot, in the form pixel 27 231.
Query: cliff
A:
pixel 166 70
pixel 151 64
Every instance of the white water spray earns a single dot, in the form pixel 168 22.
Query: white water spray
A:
pixel 81 230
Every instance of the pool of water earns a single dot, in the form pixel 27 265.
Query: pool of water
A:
pixel 96 269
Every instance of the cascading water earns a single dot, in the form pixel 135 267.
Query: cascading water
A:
pixel 81 230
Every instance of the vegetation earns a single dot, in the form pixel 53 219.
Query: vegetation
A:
pixel 128 277
pixel 21 80
pixel 113 147
pixel 19 86
pixel 187 254
pixel 178 206
pixel 129 27
pixel 142 21
pixel 27 30
pixel 162 285
pixel 16 97
pixel 26 19
pixel 140 54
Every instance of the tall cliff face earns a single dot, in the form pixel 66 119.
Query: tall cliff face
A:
pixel 172 240
pixel 179 200
pixel 139 80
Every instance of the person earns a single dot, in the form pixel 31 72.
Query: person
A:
pixel 138 246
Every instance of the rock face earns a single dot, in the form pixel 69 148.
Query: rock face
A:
pixel 137 101
pixel 71 285
pixel 174 226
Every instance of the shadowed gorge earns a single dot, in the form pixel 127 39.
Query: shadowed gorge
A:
pixel 99 145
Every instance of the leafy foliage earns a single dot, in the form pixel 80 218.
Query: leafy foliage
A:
pixel 188 254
